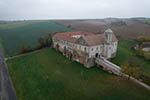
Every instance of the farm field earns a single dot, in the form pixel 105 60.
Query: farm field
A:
pixel 15 24
pixel 128 28
pixel 126 52
pixel 48 75
pixel 15 34
pixel 146 20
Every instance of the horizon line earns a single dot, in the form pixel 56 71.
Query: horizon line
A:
pixel 28 19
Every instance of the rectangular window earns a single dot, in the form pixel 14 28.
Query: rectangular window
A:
pixel 85 49
pixel 79 47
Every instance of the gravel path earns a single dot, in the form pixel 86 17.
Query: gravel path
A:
pixel 7 91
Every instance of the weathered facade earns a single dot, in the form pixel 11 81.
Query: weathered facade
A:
pixel 84 47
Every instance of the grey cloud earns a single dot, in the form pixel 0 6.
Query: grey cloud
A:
pixel 60 9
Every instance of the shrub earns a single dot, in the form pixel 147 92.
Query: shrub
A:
pixel 143 39
pixel 41 41
pixel 45 41
pixel 147 55
pixel 25 49
pixel 145 79
pixel 132 68
pixel 140 52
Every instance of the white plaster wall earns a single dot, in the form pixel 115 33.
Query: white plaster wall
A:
pixel 61 43
pixel 81 47
pixel 96 49
pixel 70 45
pixel 110 49
pixel 105 50
pixel 115 47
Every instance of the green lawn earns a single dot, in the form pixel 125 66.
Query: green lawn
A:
pixel 126 52
pixel 48 75
pixel 15 34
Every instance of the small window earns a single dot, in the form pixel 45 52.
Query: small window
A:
pixel 97 48
pixel 101 47
pixel 79 47
pixel 91 49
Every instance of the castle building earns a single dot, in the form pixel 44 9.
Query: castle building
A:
pixel 84 47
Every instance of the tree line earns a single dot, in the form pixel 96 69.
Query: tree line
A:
pixel 141 39
pixel 43 42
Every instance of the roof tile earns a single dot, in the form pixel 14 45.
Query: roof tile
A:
pixel 89 37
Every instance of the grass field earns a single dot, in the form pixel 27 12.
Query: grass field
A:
pixel 15 34
pixel 48 75
pixel 16 24
pixel 126 52
pixel 146 20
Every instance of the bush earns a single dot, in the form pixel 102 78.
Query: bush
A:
pixel 132 68
pixel 144 54
pixel 145 79
pixel 45 41
pixel 25 49
pixel 143 39
pixel 131 71
pixel 140 52
pixel 147 55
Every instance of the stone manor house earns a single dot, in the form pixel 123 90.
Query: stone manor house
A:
pixel 84 47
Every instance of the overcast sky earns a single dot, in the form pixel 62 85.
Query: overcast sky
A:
pixel 72 9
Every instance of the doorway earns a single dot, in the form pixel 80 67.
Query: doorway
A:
pixel 96 55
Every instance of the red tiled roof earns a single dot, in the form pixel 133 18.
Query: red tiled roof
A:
pixel 90 38
pixel 67 36
pixel 97 39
